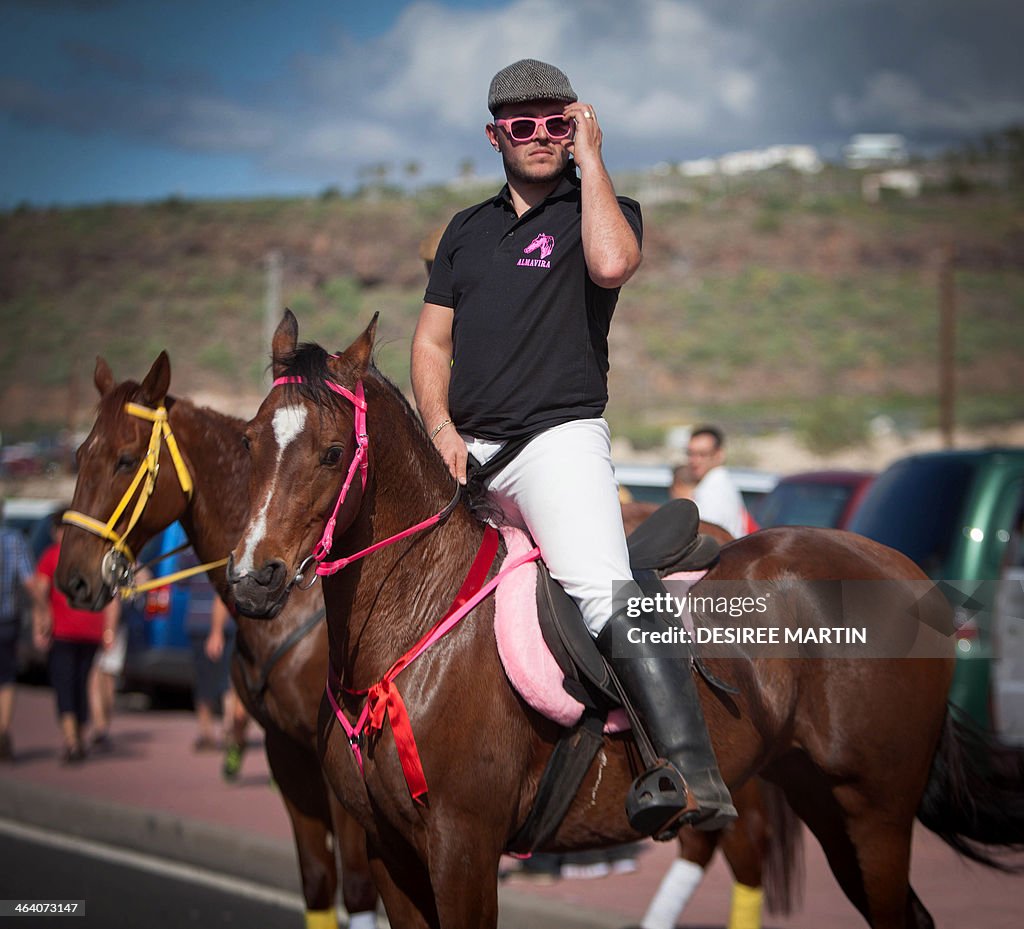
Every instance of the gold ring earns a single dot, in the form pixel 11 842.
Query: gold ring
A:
pixel 586 114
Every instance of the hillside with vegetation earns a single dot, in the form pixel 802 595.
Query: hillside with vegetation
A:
pixel 769 301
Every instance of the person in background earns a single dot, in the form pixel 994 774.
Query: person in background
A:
pixel 236 718
pixel 15 588
pixel 72 638
pixel 106 672
pixel 103 677
pixel 683 485
pixel 716 495
pixel 211 674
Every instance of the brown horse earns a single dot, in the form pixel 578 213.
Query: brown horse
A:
pixel 277 668
pixel 860 747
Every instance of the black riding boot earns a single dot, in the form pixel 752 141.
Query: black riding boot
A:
pixel 657 680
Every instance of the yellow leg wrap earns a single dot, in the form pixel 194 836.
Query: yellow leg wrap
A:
pixel 746 907
pixel 321 919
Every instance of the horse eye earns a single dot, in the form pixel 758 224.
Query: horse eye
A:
pixel 127 462
pixel 246 443
pixel 332 455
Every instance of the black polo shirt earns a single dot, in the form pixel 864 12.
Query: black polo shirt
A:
pixel 530 333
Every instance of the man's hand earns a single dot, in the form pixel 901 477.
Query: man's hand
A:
pixel 453 450
pixel 610 247
pixel 586 144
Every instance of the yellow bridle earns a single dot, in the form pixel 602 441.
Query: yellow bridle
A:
pixel 145 478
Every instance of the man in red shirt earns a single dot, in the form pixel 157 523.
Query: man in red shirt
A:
pixel 72 638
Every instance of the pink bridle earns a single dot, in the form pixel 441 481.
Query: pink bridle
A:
pixel 360 461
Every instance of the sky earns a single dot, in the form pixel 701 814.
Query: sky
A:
pixel 138 100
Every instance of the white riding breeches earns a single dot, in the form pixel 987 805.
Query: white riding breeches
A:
pixel 561 489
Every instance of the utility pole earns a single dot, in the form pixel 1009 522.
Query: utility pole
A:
pixel 947 344
pixel 272 308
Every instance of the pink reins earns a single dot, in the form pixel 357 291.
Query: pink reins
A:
pixel 383 699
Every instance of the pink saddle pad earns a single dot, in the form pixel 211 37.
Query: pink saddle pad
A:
pixel 528 662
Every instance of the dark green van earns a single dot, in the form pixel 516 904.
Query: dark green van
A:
pixel 958 515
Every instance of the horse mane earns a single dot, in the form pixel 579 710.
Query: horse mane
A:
pixel 309 363
pixel 125 392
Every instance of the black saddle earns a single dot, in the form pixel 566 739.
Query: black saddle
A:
pixel 664 544
pixel 668 541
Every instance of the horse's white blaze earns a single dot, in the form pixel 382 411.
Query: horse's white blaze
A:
pixel 288 423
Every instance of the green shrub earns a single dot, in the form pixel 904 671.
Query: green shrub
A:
pixel 831 423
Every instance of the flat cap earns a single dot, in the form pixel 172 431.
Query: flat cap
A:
pixel 528 79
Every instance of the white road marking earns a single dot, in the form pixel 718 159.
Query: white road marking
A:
pixel 153 865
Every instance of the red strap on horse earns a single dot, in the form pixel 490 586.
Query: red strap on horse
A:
pixel 383 698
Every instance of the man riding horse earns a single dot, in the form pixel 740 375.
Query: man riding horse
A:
pixel 509 366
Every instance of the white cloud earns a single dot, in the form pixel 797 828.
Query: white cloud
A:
pixel 653 69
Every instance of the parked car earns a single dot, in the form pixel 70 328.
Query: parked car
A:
pixel 958 515
pixel 159 659
pixel 31 517
pixel 650 483
pixel 815 498
pixel 754 486
pixel 645 483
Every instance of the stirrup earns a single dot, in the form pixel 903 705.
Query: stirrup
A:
pixel 658 803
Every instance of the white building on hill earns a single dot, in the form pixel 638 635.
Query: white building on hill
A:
pixel 876 150
pixel 802 158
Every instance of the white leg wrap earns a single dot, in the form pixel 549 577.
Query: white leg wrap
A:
pixel 677 886
pixel 364 920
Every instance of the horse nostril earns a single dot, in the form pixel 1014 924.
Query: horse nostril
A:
pixel 272 574
pixel 78 588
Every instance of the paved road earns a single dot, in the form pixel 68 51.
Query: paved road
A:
pixel 154 795
pixel 129 890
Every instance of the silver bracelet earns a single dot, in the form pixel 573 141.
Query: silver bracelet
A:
pixel 439 427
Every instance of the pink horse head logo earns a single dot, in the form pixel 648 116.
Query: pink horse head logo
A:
pixel 546 244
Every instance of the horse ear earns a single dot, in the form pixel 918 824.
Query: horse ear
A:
pixel 358 353
pixel 158 381
pixel 286 338
pixel 103 377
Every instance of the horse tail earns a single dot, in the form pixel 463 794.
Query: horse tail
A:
pixel 975 793
pixel 782 875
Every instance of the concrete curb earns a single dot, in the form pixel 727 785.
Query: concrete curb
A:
pixel 249 857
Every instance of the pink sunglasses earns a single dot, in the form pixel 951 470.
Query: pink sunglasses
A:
pixel 524 128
